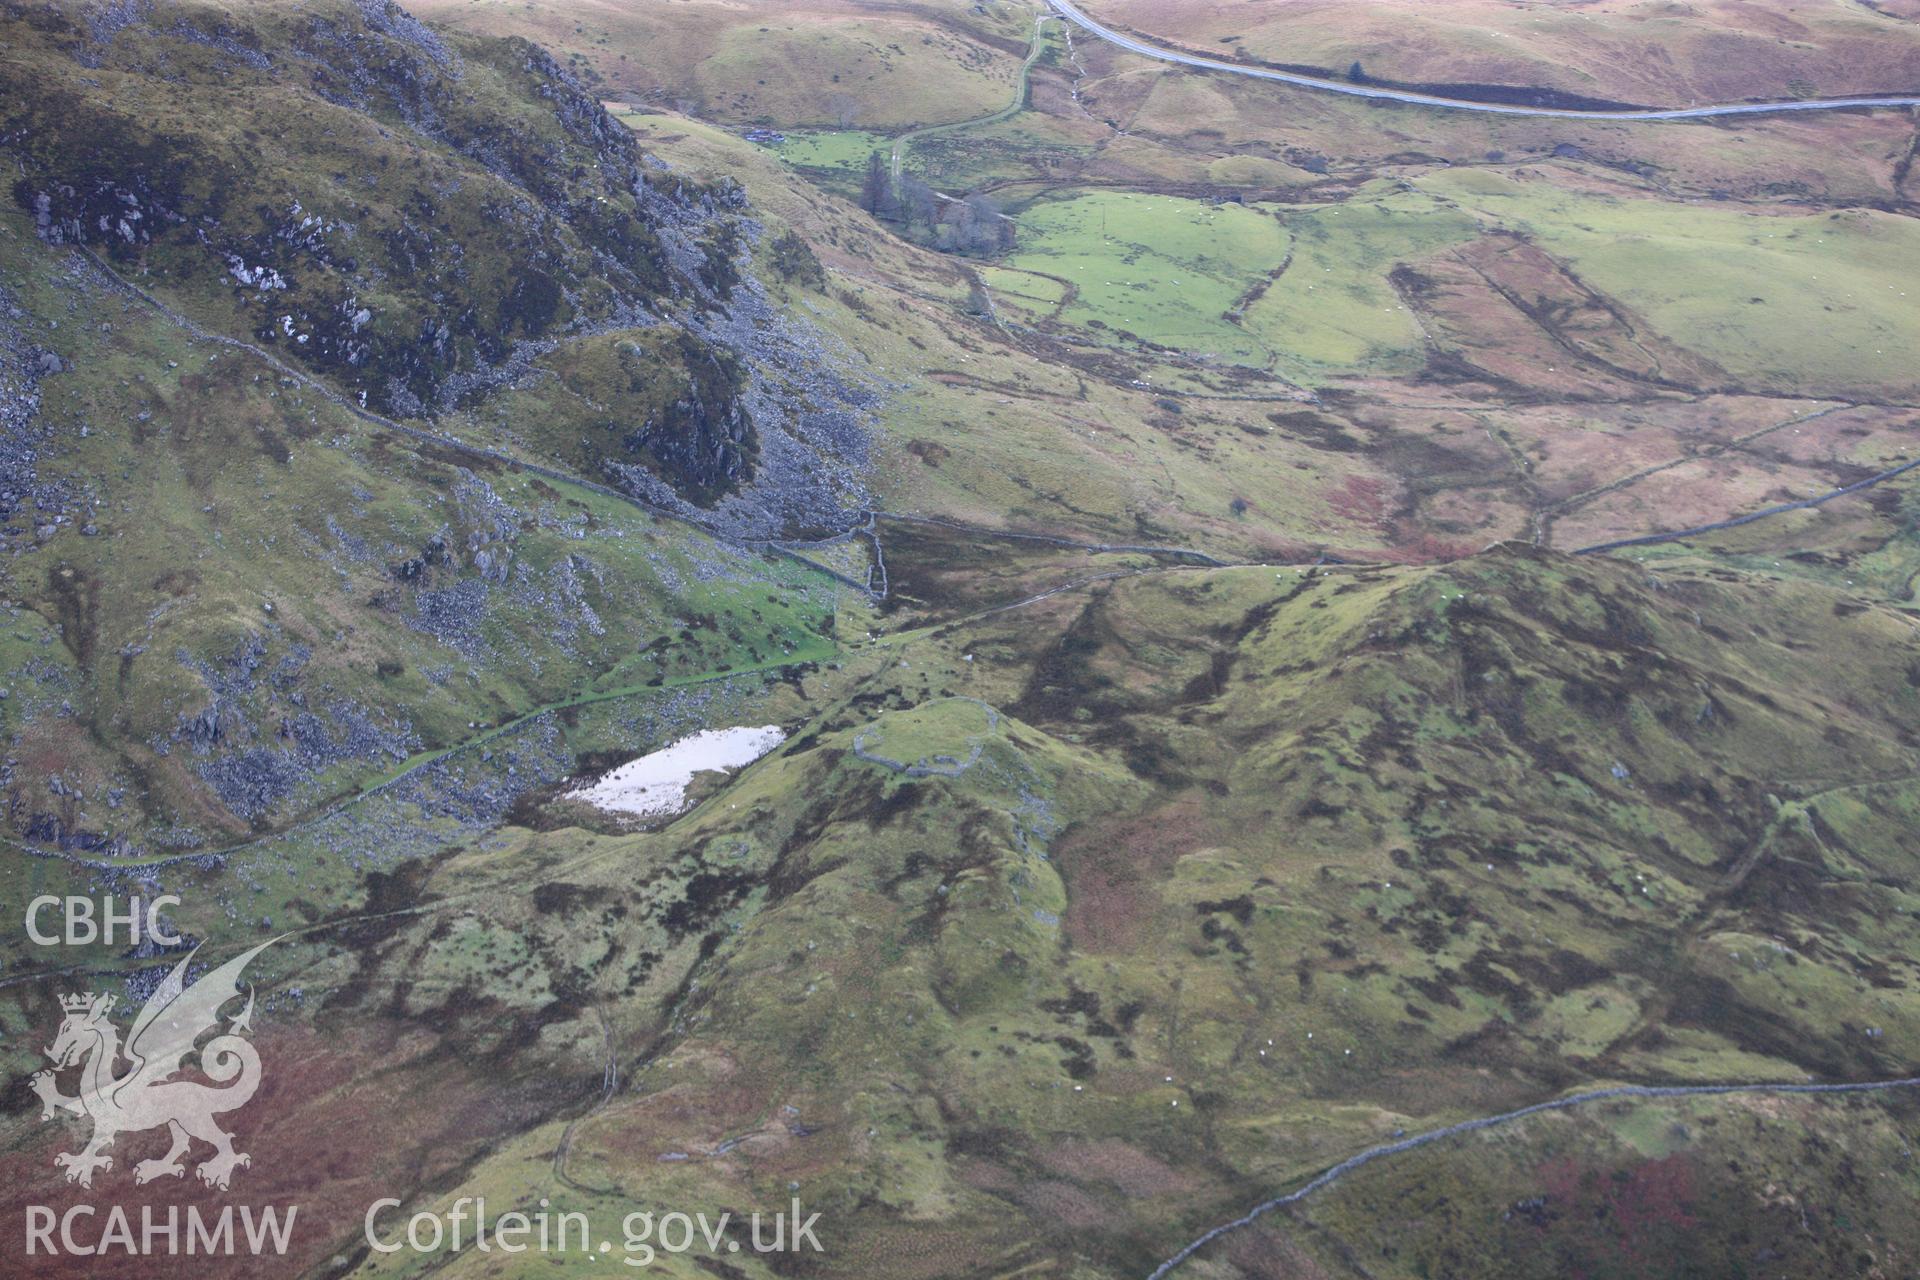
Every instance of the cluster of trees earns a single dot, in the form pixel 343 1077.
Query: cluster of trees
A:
pixel 973 226
pixel 794 259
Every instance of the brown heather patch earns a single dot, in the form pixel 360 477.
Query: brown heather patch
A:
pixel 985 1175
pixel 342 1118
pixel 1268 1253
pixel 693 1117
pixel 1124 1167
pixel 1069 1206
pixel 1425 1091
pixel 1113 870
pixel 911 1250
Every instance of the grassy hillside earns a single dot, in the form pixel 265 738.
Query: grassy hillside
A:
pixel 884 66
pixel 1199 882
pixel 1251 874
pixel 253 603
pixel 424 223
pixel 1205 762
pixel 238 596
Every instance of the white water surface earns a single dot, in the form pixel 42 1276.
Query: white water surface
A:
pixel 657 783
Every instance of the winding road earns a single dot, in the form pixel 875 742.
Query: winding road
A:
pixel 1133 44
pixel 1804 504
pixel 1371 1154
pixel 1034 50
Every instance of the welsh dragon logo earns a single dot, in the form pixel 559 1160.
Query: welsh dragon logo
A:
pixel 146 1095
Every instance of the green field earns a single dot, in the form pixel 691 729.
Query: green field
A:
pixel 1162 269
pixel 1333 311
pixel 832 156
pixel 1779 300
pixel 1302 291
pixel 1783 299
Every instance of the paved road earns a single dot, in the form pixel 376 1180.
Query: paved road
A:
pixel 1764 513
pixel 1072 14
pixel 1487 1122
